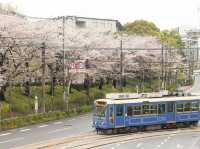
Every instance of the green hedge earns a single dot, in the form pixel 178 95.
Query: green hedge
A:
pixel 39 118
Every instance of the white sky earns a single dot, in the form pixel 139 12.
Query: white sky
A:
pixel 164 13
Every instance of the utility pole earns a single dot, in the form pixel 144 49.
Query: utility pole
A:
pixel 165 67
pixel 43 73
pixel 63 48
pixel 121 65
pixel 162 63
pixel 197 55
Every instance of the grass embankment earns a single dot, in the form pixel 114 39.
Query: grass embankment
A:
pixel 30 119
pixel 18 109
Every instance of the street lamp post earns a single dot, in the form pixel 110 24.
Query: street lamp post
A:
pixel 36 104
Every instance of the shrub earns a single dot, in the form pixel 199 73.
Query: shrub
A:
pixel 78 98
pixel 4 109
pixel 96 94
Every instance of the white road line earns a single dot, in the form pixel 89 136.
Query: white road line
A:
pixel 12 140
pixel 56 123
pixel 43 126
pixel 83 117
pixel 58 130
pixel 138 145
pixel 118 144
pixel 158 146
pixel 72 120
pixel 179 146
pixel 24 130
pixel 5 134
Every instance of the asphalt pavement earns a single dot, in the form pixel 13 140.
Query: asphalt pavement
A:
pixel 46 131
pixel 173 141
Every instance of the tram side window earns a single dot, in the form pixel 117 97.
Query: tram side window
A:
pixel 119 110
pixel 137 110
pixel 153 109
pixel 195 106
pixel 170 107
pixel 111 112
pixel 130 111
pixel 145 109
pixel 179 107
pixel 187 107
pixel 161 108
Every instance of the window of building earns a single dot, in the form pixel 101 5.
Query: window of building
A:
pixel 119 110
pixel 137 110
pixel 179 107
pixel 161 108
pixel 81 24
pixel 195 106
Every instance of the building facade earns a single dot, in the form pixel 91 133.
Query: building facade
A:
pixel 191 41
pixel 104 25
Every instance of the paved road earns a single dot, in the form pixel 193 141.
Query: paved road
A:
pixel 174 141
pixel 45 131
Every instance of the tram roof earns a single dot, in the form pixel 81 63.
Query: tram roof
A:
pixel 141 100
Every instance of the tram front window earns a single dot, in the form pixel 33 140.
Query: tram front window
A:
pixel 100 108
pixel 100 111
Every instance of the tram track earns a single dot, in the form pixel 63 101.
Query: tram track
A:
pixel 94 143
pixel 92 140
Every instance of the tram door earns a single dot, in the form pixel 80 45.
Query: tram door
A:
pixel 171 111
pixel 111 115
pixel 119 115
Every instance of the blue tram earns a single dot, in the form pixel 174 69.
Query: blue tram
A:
pixel 129 114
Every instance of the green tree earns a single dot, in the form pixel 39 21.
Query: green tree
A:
pixel 172 38
pixel 145 28
pixel 141 27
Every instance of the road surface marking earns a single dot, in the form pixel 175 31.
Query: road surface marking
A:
pixel 83 117
pixel 12 140
pixel 23 130
pixel 158 145
pixel 165 140
pixel 179 146
pixel 118 144
pixel 56 123
pixel 58 130
pixel 72 119
pixel 5 134
pixel 43 126
pixel 138 145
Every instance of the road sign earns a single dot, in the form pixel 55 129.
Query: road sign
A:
pixel 78 64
